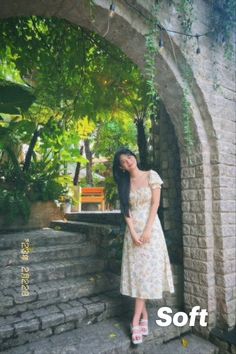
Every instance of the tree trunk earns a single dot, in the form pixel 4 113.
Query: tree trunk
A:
pixel 77 169
pixel 142 143
pixel 88 154
pixel 30 150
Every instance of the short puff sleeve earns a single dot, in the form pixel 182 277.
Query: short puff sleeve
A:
pixel 155 180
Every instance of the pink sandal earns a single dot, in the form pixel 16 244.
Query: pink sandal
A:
pixel 136 334
pixel 144 327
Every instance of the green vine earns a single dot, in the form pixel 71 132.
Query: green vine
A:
pixel 150 59
pixel 14 205
pixel 185 11
pixel 187 123
pixel 187 114
pixel 91 9
pixel 223 21
pixel 115 244
pixel 152 50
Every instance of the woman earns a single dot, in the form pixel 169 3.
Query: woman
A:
pixel 145 269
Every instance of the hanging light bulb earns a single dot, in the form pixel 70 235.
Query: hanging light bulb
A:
pixel 161 42
pixel 198 48
pixel 112 10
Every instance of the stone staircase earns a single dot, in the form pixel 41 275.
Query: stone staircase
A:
pixel 74 304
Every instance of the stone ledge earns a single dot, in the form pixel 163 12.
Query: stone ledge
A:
pixel 63 317
pixel 52 270
pixel 40 237
pixel 58 291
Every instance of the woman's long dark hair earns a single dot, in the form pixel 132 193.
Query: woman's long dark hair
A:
pixel 122 179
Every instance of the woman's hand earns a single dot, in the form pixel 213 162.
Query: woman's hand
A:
pixel 146 236
pixel 136 239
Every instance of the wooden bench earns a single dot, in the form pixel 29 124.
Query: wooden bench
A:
pixel 92 195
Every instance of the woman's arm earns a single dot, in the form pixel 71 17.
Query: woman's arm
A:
pixel 155 202
pixel 134 235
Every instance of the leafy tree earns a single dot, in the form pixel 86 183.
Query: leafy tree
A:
pixel 73 74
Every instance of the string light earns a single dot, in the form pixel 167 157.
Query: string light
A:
pixel 161 43
pixel 198 48
pixel 162 28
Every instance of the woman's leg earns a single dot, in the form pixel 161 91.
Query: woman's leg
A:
pixel 144 312
pixel 138 309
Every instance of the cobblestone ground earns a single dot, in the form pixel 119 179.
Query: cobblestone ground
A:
pixel 112 336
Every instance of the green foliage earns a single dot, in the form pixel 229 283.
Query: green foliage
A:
pixel 184 8
pixel 185 13
pixel 71 69
pixel 187 123
pixel 19 191
pixel 113 133
pixel 14 98
pixel 111 191
pixel 223 20
pixel 187 113
pixel 79 80
pixel 14 204
pixel 150 59
pixel 222 17
pixel 116 244
pixel 40 182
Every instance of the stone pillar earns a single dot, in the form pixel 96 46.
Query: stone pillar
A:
pixel 165 160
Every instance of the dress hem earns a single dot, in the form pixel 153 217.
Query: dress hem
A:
pixel 146 298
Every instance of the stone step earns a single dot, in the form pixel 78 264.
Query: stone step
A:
pixel 43 237
pixel 45 253
pixel 55 291
pixel 100 217
pixel 55 319
pixel 111 336
pixel 58 318
pixel 92 230
pixel 11 276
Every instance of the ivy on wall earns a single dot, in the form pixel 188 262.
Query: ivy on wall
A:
pixel 223 20
pixel 185 11
pixel 150 60
pixel 152 49
pixel 187 118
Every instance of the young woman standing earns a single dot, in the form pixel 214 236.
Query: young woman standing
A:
pixel 145 269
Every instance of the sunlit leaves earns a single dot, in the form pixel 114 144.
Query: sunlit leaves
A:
pixel 85 127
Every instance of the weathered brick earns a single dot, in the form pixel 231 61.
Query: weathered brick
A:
pixel 26 326
pixel 52 320
pixel 188 172
pixel 75 313
pixel 64 327
pixel 189 218
pixel 196 265
pixel 190 241
pixel 6 331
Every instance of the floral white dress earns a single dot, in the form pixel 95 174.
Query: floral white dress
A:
pixel 145 269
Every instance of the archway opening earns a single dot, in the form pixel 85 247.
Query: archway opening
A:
pixel 127 32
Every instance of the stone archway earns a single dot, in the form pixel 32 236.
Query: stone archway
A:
pixel 207 229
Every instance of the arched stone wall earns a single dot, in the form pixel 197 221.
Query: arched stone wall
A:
pixel 208 186
pixel 166 160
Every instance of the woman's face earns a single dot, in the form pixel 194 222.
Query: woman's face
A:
pixel 127 162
